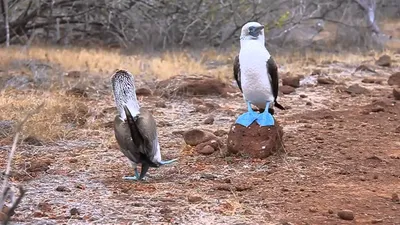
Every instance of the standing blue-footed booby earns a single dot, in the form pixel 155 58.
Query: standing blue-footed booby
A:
pixel 256 74
pixel 135 128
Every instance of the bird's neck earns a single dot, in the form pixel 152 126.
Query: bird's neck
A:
pixel 131 103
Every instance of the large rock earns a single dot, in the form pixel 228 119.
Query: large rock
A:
pixel 394 79
pixel 291 81
pixel 384 61
pixel 396 93
pixel 193 86
pixel 255 141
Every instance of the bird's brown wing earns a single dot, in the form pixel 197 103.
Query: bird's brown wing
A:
pixel 236 72
pixel 273 73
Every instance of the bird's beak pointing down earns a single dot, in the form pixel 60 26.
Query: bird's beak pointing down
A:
pixel 256 31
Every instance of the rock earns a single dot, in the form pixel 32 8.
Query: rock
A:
pixel 143 92
pixel 372 80
pixel 291 81
pixel 397 130
pixel 73 74
pixel 364 68
pixel 74 212
pixel 205 150
pixel 396 93
pixel 394 79
pixel 255 141
pixel 395 198
pixel 325 80
pixel 308 103
pixel 346 215
pixel 209 120
pixel 220 133
pixel 384 61
pixel 63 189
pixel 316 72
pixel 195 136
pixel 161 104
pixel 197 101
pixel 303 96
pixel 356 89
pixel 6 128
pixel 183 85
pixel 194 199
pixel 287 89
pixel 31 140
pixel 209 147
pixel 77 92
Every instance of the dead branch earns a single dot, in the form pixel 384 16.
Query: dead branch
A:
pixel 6 191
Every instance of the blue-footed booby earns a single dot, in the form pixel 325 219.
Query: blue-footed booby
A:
pixel 135 128
pixel 256 74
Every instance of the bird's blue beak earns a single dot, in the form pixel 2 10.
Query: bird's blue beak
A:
pixel 255 31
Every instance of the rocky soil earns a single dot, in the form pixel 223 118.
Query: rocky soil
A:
pixel 340 163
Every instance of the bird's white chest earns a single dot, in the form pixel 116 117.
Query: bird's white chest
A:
pixel 255 80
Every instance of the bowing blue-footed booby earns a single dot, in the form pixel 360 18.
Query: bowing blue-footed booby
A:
pixel 135 128
pixel 256 74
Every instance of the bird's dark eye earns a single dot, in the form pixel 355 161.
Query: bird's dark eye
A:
pixel 251 28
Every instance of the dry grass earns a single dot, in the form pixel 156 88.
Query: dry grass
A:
pixel 60 111
pixel 51 123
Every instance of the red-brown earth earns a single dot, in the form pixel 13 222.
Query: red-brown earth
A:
pixel 341 152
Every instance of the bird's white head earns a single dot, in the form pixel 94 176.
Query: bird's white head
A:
pixel 252 31
pixel 124 92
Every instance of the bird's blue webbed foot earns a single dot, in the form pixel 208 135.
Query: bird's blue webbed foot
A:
pixel 168 161
pixel 136 177
pixel 247 118
pixel 265 118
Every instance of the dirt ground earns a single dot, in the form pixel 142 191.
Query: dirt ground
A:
pixel 342 152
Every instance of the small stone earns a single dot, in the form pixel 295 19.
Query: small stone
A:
pixel 397 130
pixel 346 215
pixel 395 198
pixel 394 79
pixel 62 189
pixel 31 140
pixel 165 210
pixel 77 92
pixel 206 150
pixel 325 80
pixel 194 199
pixel 308 103
pixel 143 92
pixel 197 101
pixel 396 93
pixel 384 61
pixel 330 211
pixel 313 209
pixel 303 96
pixel 209 120
pixel 195 136
pixel 364 68
pixel 224 187
pixel 371 80
pixel 287 89
pixel 242 186
pixel 375 221
pixel 161 104
pixel 291 81
pixel 74 212
pixel 356 89
pixel 220 133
